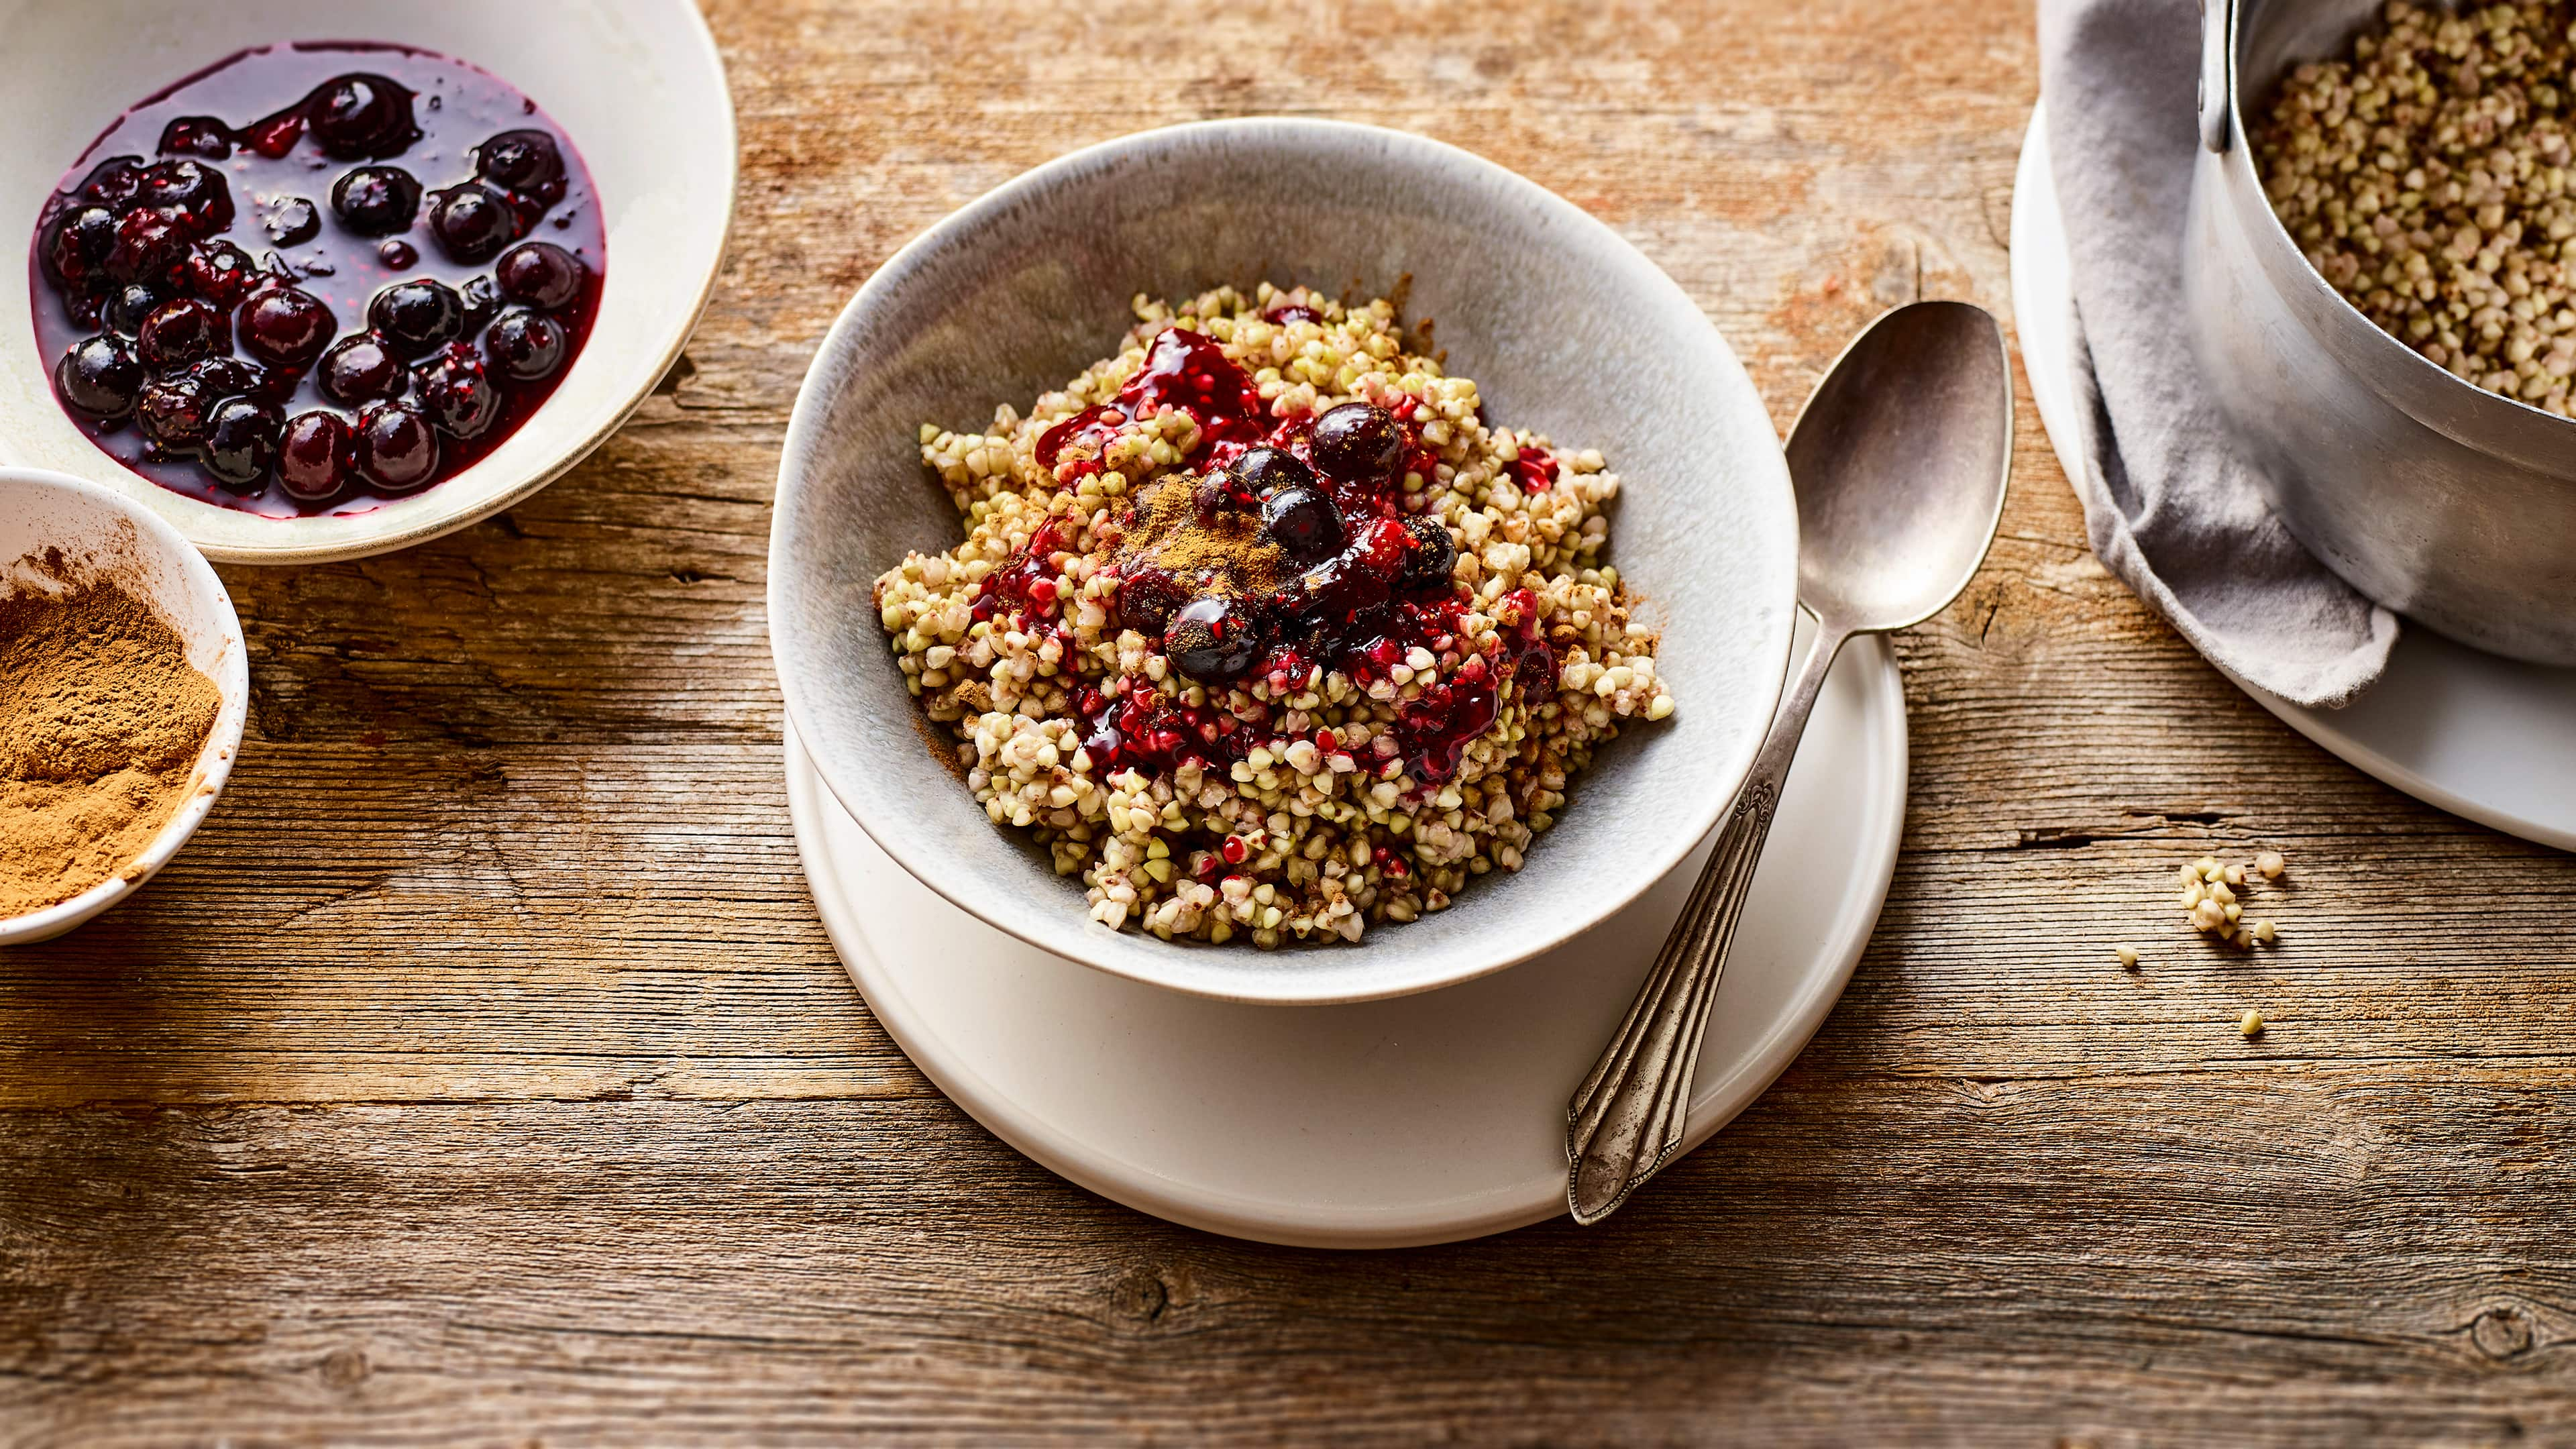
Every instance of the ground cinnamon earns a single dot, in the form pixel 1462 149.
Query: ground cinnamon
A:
pixel 101 721
pixel 1182 525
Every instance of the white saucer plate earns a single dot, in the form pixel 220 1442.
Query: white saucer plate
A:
pixel 1417 1119
pixel 2485 738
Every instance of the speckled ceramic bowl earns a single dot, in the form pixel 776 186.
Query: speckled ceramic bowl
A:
pixel 98 528
pixel 639 89
pixel 1565 328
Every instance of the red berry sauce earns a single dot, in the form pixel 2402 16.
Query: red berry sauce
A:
pixel 1184 371
pixel 1362 610
pixel 1536 470
pixel 204 269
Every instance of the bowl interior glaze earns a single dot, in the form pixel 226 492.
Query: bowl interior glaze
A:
pixel 1566 329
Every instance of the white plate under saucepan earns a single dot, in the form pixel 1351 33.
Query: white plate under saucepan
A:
pixel 2490 739
pixel 638 88
pixel 105 534
pixel 1379 1124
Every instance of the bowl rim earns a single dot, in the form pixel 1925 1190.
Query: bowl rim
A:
pixel 437 523
pixel 802 445
pixel 215 757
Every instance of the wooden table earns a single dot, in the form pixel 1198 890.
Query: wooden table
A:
pixel 482 1072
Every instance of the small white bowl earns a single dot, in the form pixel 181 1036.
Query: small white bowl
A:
pixel 640 92
pixel 40 510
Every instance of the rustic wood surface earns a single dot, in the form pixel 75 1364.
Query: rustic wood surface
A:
pixel 482 1073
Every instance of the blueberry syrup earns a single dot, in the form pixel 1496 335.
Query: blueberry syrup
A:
pixel 1371 583
pixel 210 282
pixel 1025 581
pixel 1183 370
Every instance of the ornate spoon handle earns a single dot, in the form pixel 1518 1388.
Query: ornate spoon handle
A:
pixel 1627 1117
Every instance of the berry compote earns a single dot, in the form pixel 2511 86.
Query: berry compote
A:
pixel 1285 546
pixel 317 276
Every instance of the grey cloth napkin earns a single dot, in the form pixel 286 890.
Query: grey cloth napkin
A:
pixel 2170 509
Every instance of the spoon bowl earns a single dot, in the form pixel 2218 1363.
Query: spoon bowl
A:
pixel 1899 460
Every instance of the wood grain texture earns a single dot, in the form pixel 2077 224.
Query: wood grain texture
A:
pixel 483 1075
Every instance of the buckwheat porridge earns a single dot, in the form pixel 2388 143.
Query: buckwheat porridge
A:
pixel 1261 629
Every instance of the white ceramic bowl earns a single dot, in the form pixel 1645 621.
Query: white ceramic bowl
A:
pixel 90 524
pixel 637 86
pixel 1565 328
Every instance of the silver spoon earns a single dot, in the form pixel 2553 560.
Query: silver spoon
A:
pixel 1899 461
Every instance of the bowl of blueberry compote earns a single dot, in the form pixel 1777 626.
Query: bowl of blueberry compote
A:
pixel 318 306
pixel 319 298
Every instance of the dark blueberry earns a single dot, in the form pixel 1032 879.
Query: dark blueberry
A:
pixel 183 330
pixel 472 223
pixel 1429 553
pixel 418 318
pixel 241 443
pixel 541 275
pixel 287 327
pixel 482 303
pixel 1146 599
pixel 203 137
pixel 99 378
pixel 76 246
pixel 1303 522
pixel 114 183
pixel 376 200
pixel 526 346
pixel 224 377
pixel 396 449
pixel 127 306
pixel 1358 443
pixel 219 272
pixel 1217 495
pixel 527 162
pixel 192 192
pixel 317 456
pixel 362 118
pixel 1213 640
pixel 459 397
pixel 397 255
pixel 172 412
pixel 173 406
pixel 150 245
pixel 1266 470
pixel 293 222
pixel 360 369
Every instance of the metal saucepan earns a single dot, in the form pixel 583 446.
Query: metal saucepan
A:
pixel 2441 500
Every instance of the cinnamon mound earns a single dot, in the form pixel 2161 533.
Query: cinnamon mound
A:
pixel 101 720
pixel 1220 550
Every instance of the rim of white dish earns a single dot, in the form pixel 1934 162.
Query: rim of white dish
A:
pixel 1723 1089
pixel 215 758
pixel 437 523
pixel 1287 988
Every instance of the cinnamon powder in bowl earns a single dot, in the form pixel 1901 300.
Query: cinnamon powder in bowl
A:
pixel 123 689
pixel 101 721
